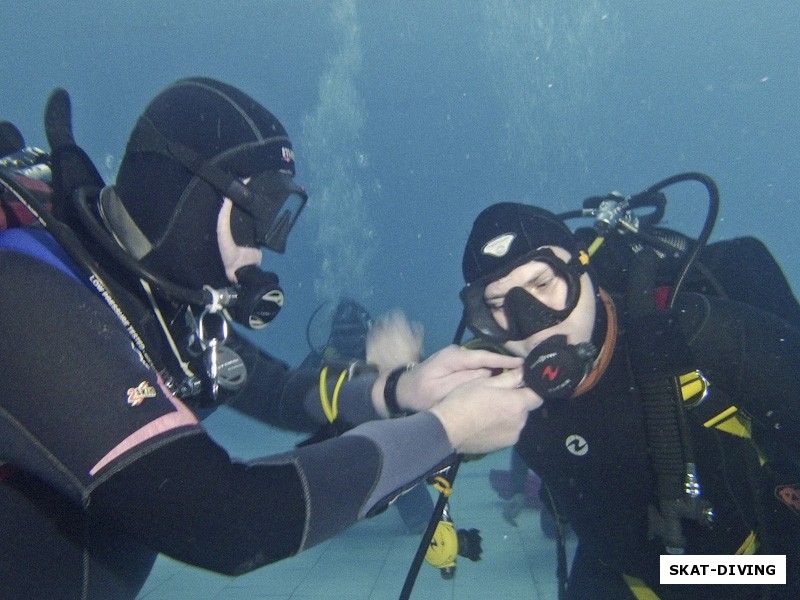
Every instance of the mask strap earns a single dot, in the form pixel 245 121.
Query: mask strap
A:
pixel 152 140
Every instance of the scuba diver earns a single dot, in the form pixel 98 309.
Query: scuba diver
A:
pixel 117 320
pixel 669 425
pixel 347 338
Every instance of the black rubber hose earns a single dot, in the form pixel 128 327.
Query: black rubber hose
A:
pixel 101 236
pixel 436 516
pixel 438 509
pixel 708 226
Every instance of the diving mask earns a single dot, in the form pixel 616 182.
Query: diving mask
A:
pixel 265 210
pixel 526 315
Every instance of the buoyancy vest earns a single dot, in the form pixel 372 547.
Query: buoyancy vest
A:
pixel 39 244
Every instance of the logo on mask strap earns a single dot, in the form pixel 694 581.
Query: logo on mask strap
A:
pixel 287 154
pixel 499 246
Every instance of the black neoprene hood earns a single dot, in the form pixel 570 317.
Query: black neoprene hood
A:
pixel 174 208
pixel 504 233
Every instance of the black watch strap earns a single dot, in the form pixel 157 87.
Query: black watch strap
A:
pixel 390 392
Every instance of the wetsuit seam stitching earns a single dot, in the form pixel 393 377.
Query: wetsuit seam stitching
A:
pixel 44 452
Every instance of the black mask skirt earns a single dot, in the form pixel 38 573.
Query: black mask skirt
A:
pixel 525 314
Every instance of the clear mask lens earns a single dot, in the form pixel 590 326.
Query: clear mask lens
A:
pixel 277 232
pixel 266 211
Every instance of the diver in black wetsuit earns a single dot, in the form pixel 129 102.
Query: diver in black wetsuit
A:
pixel 597 361
pixel 102 352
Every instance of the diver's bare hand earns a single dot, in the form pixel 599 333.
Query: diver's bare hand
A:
pixel 430 381
pixel 486 414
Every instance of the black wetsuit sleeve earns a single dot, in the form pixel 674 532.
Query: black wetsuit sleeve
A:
pixel 189 500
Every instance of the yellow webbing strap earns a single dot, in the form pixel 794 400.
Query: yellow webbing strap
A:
pixel 330 409
pixel 749 545
pixel 598 241
pixel 639 588
pixel 643 592
pixel 694 388
pixel 731 421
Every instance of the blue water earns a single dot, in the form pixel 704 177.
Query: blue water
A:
pixel 408 117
